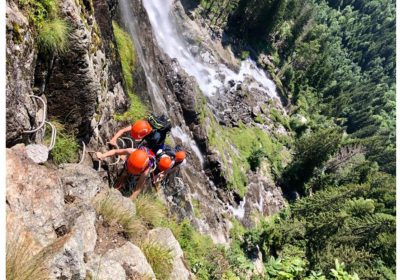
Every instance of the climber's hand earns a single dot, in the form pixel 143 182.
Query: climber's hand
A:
pixel 100 156
pixel 113 142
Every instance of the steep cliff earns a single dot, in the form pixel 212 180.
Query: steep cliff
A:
pixel 85 89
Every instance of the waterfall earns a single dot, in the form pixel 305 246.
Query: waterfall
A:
pixel 210 78
pixel 185 138
pixel 130 21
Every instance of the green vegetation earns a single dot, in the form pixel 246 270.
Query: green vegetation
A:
pixel 52 32
pixel 238 146
pixel 113 213
pixel 336 62
pixel 150 210
pixel 127 54
pixel 66 148
pixel 205 259
pixel 53 36
pixel 159 257
pixel 138 110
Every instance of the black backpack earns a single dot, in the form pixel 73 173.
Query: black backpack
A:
pixel 161 123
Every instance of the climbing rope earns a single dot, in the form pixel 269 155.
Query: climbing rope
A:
pixel 44 115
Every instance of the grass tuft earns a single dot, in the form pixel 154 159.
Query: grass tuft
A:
pixel 113 213
pixel 21 263
pixel 24 260
pixel 159 257
pixel 150 210
pixel 53 37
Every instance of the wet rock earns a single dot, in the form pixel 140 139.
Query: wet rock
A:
pixel 20 65
pixel 262 196
pixel 164 237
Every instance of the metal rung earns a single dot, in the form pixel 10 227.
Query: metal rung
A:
pixel 44 115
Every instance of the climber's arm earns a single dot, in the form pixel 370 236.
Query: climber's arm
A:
pixel 120 132
pixel 114 152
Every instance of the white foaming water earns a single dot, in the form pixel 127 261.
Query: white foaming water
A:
pixel 207 76
pixel 179 133
pixel 239 211
pixel 157 99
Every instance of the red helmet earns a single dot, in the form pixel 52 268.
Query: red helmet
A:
pixel 164 163
pixel 180 156
pixel 138 161
pixel 140 129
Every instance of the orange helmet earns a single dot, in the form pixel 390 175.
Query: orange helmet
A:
pixel 180 156
pixel 138 161
pixel 164 163
pixel 140 129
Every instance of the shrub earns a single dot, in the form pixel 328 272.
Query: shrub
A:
pixel 39 10
pixel 159 257
pixel 150 210
pixel 114 213
pixel 255 158
pixel 66 147
pixel 205 259
pixel 53 36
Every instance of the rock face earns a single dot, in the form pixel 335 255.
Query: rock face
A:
pixel 131 258
pixel 35 195
pixel 81 87
pixel 184 103
pixel 82 74
pixel 55 207
pixel 21 56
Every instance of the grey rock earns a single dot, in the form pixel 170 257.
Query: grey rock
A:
pixel 105 269
pixel 35 195
pixel 37 153
pixel 81 182
pixel 69 262
pixel 20 69
pixel 132 259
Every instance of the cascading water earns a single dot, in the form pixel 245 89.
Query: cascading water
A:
pixel 185 138
pixel 130 21
pixel 210 78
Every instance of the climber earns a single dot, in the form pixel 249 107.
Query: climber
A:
pixel 153 131
pixel 168 164
pixel 138 164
